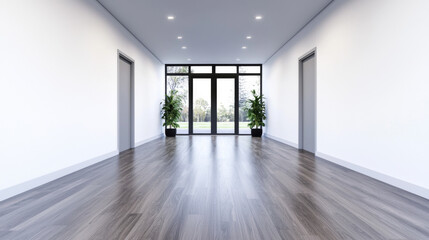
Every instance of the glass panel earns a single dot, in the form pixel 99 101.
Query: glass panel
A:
pixel 225 105
pixel 246 85
pixel 249 69
pixel 177 69
pixel 180 84
pixel 226 69
pixel 201 69
pixel 202 105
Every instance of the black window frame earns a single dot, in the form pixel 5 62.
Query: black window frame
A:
pixel 213 76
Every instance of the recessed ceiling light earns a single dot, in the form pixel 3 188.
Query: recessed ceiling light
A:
pixel 238 59
pixel 243 47
pixel 249 37
pixel 258 17
pixel 170 17
pixel 184 47
pixel 189 59
pixel 179 37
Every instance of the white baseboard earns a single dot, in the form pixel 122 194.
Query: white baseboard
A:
pixel 281 140
pixel 23 187
pixel 148 140
pixel 409 187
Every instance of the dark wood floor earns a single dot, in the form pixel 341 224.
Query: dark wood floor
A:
pixel 208 187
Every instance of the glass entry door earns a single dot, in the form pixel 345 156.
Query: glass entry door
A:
pixel 225 104
pixel 214 105
pixel 202 105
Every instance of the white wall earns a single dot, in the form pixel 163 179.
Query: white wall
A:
pixel 372 88
pixel 58 89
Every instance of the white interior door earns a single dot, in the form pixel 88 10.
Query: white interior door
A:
pixel 124 103
pixel 309 104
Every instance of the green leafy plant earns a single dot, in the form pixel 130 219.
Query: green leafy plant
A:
pixel 171 109
pixel 256 111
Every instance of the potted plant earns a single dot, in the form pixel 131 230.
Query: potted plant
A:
pixel 256 114
pixel 171 111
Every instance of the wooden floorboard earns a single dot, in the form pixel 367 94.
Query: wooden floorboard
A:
pixel 215 187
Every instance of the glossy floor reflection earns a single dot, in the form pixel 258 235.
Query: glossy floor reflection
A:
pixel 215 187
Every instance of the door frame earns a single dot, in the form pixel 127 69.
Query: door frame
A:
pixel 311 53
pixel 191 103
pixel 213 103
pixel 121 56
pixel 236 107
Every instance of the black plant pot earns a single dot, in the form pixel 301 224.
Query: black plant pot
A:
pixel 256 132
pixel 170 132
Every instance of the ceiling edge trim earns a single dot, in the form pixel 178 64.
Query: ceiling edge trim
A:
pixel 305 25
pixel 153 54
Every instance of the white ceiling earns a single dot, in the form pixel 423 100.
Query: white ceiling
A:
pixel 214 31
